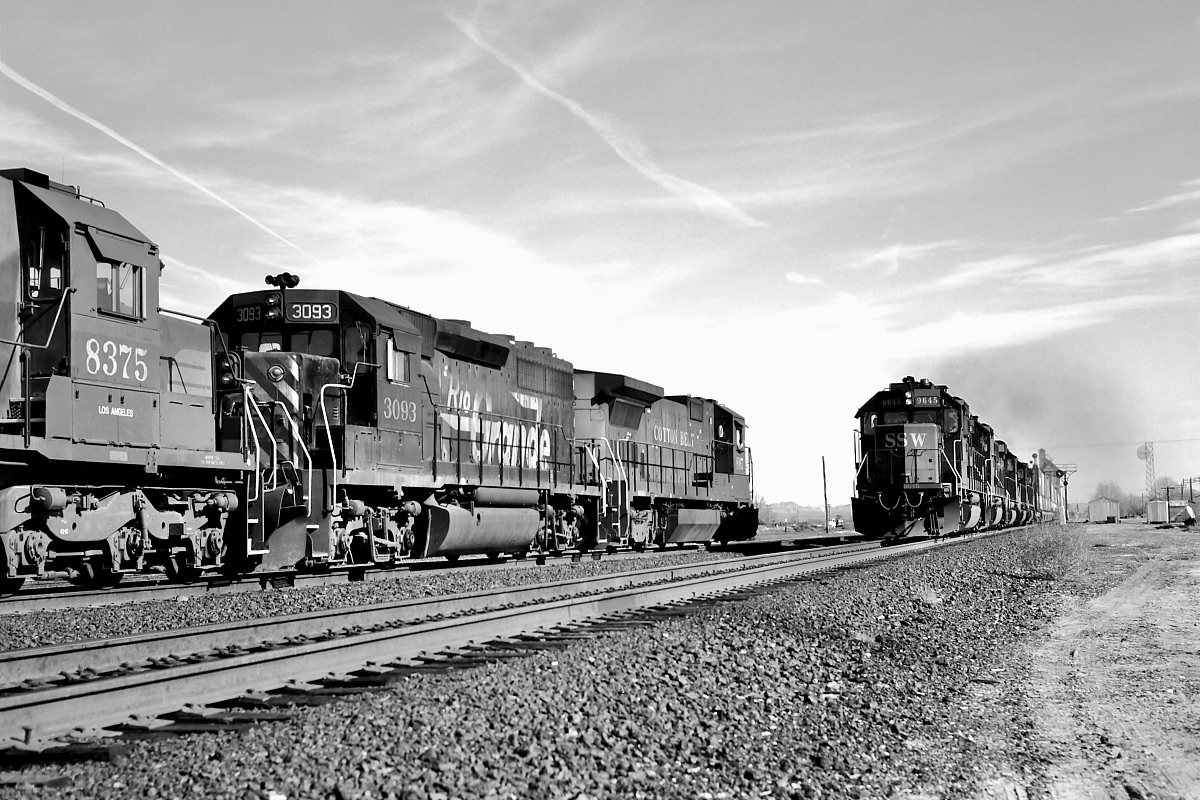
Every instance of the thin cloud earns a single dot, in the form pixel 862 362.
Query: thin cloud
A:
pixel 796 277
pixel 976 272
pixel 892 257
pixel 1120 264
pixel 1190 194
pixel 619 138
pixel 25 83
pixel 963 332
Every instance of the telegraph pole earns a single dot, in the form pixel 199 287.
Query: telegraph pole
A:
pixel 825 492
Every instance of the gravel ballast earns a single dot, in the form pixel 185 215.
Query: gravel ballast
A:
pixel 856 684
pixel 39 628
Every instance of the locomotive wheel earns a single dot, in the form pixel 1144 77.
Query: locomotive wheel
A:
pixel 177 572
pixel 451 558
pixel 10 585
pixel 93 575
pixel 493 557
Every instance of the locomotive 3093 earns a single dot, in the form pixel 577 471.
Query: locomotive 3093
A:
pixel 922 459
pixel 302 428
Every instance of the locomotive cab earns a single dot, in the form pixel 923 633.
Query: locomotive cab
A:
pixel 105 386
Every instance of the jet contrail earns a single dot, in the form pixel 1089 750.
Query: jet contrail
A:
pixel 20 80
pixel 627 147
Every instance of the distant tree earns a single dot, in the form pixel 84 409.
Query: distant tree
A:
pixel 1165 487
pixel 1110 489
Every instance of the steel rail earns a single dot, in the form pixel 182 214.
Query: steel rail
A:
pixel 64 596
pixel 56 710
pixel 99 655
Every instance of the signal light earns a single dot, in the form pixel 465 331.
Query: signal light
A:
pixel 908 398
pixel 226 378
pixel 272 299
pixel 284 280
pixel 272 313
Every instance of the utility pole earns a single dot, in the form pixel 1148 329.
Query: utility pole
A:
pixel 825 492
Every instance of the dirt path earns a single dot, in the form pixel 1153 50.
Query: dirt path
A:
pixel 1113 694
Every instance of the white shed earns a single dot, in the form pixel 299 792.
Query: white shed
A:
pixel 1104 510
pixel 1157 512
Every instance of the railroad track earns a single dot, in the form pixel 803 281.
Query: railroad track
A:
pixel 81 687
pixel 61 594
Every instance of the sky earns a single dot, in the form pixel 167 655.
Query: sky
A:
pixel 781 206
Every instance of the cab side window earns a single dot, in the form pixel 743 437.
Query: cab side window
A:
pixel 44 247
pixel 397 363
pixel 119 289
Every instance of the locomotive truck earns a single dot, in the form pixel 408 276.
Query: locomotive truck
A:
pixel 308 429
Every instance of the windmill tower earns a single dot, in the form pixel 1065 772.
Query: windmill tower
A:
pixel 1146 453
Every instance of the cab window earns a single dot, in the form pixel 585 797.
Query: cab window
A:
pixel 317 343
pixel 44 247
pixel 397 363
pixel 119 288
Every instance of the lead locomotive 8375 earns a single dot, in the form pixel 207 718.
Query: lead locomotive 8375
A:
pixel 304 429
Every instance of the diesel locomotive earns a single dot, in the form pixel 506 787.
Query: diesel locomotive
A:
pixel 296 428
pixel 926 466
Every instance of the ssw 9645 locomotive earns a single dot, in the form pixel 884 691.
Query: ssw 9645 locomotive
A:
pixel 926 466
pixel 296 428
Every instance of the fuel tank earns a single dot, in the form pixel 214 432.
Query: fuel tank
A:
pixel 457 530
pixel 692 525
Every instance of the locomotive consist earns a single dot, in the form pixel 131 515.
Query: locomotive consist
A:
pixel 923 459
pixel 306 429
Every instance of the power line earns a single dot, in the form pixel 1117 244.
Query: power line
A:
pixel 1114 444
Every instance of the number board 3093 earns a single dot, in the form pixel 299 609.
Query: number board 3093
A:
pixel 310 312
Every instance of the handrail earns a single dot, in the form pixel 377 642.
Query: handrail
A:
pixel 270 432
pixel 750 470
pixel 249 423
pixel 53 326
pixel 861 464
pixel 949 463
pixel 325 419
pixel 299 439
pixel 620 464
pixel 603 483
